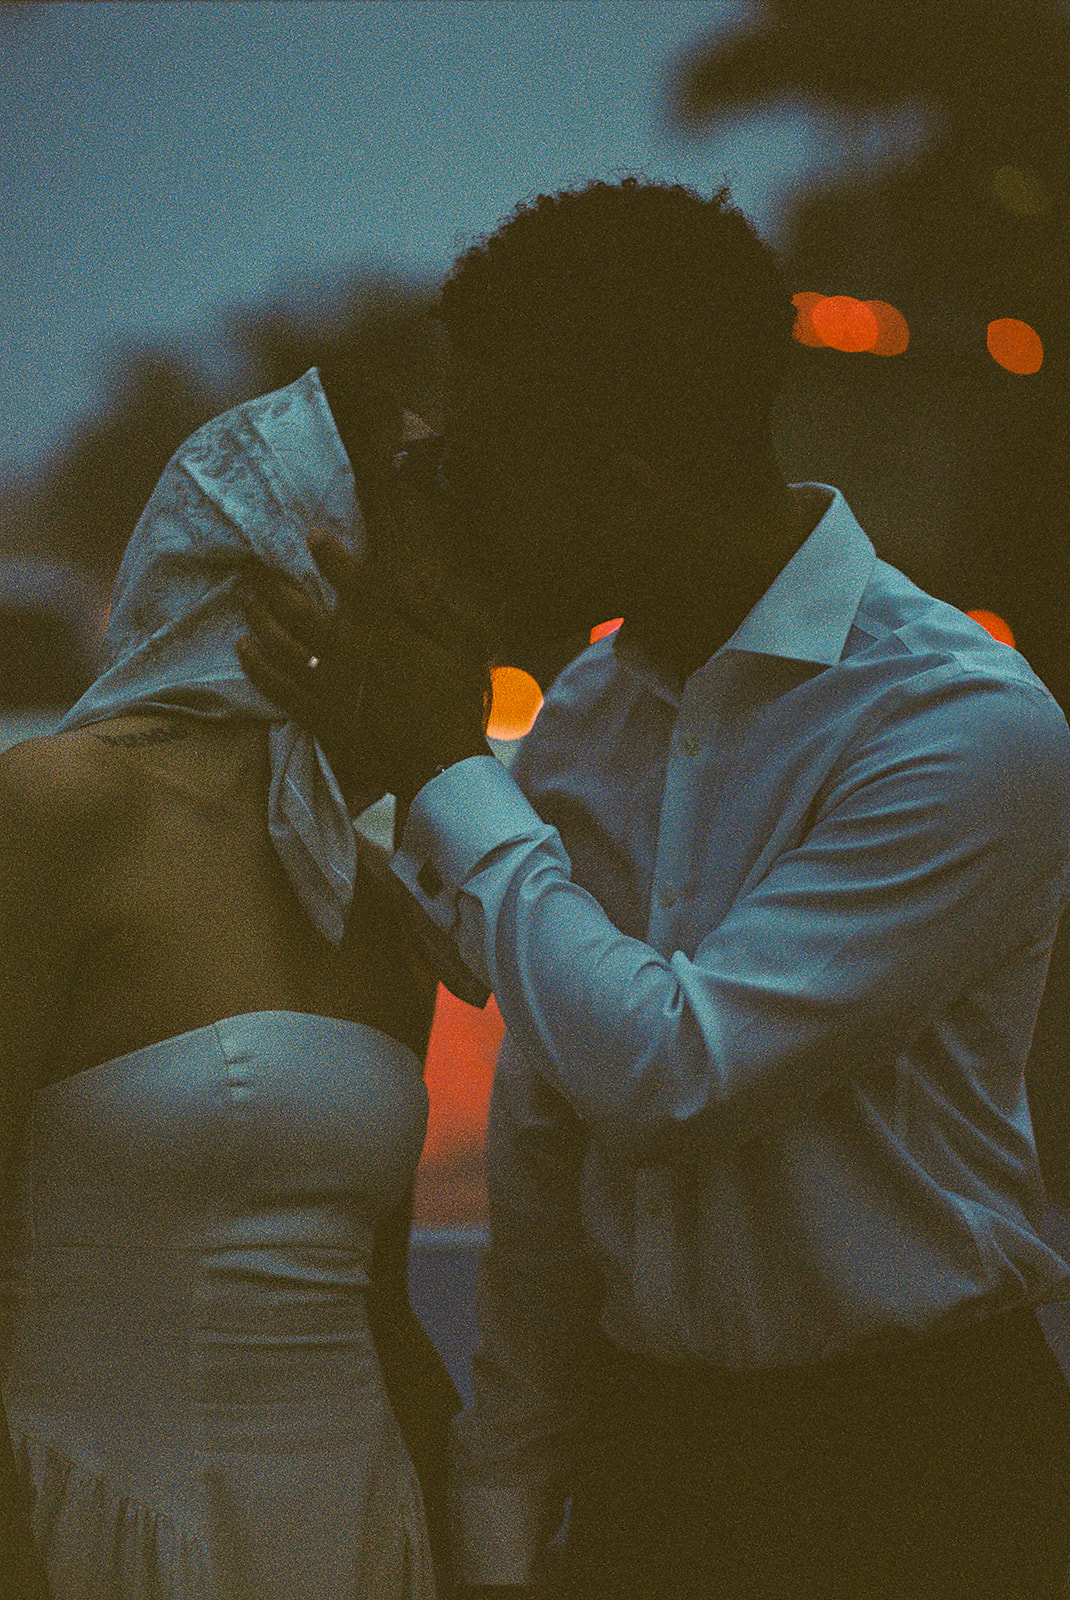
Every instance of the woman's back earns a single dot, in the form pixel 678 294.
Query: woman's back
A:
pixel 208 1112
pixel 186 913
pixel 194 1393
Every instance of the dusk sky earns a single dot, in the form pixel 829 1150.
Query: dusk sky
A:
pixel 164 162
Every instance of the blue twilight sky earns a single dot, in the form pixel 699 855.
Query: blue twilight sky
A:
pixel 161 162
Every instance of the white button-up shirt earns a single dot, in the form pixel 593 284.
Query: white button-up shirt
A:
pixel 770 952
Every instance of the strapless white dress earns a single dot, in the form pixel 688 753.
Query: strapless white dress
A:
pixel 193 1392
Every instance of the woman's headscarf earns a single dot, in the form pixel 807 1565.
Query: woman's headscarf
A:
pixel 250 483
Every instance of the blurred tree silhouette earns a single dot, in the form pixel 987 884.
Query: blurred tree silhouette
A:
pixel 93 492
pixel 84 503
pixel 942 440
pixel 959 469
pixel 371 319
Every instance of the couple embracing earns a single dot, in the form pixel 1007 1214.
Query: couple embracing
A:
pixel 766 902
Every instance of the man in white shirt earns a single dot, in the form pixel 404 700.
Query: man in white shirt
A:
pixel 767 905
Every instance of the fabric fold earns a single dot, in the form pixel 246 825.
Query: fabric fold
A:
pixel 249 484
pixel 396 1551
pixel 100 1545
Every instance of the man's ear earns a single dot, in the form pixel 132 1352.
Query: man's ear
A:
pixel 413 427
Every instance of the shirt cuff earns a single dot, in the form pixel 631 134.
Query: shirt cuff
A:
pixel 464 815
pixel 495 1534
pixel 459 818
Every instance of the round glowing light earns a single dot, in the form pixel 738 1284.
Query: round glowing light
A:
pixel 844 323
pixel 1015 345
pixel 994 624
pixel 516 702
pixel 893 334
pixel 605 628
pixel 804 330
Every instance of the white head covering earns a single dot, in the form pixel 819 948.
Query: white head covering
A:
pixel 251 482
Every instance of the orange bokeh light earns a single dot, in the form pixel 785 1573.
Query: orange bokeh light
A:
pixel 844 323
pixel 605 628
pixel 994 624
pixel 840 322
pixel 1015 345
pixel 804 330
pixel 516 702
pixel 461 1056
pixel 893 334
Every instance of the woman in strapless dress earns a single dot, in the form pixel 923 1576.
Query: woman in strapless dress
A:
pixel 212 1103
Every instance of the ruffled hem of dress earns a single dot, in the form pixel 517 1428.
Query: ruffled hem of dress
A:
pixel 98 1544
pixel 397 1562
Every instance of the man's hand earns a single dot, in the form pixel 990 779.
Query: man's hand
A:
pixel 395 683
pixel 293 639
pixel 401 683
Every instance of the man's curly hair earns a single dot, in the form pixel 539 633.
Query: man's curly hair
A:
pixel 629 316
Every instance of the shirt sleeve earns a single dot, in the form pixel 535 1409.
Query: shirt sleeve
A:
pixel 936 845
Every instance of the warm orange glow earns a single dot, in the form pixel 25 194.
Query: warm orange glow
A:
pixel 804 330
pixel 1015 345
pixel 517 701
pixel 461 1057
pixel 844 323
pixel 893 335
pixel 839 322
pixel 993 624
pixel 605 628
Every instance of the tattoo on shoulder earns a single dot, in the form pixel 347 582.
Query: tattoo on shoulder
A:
pixel 166 734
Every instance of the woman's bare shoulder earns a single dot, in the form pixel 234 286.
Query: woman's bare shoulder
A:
pixel 61 801
pixel 67 782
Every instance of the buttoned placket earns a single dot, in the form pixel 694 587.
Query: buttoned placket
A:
pixel 696 766
pixel 686 783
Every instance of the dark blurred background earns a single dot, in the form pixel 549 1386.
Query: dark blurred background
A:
pixel 205 200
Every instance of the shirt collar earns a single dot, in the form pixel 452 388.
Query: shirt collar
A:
pixel 807 611
pixel 809 608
